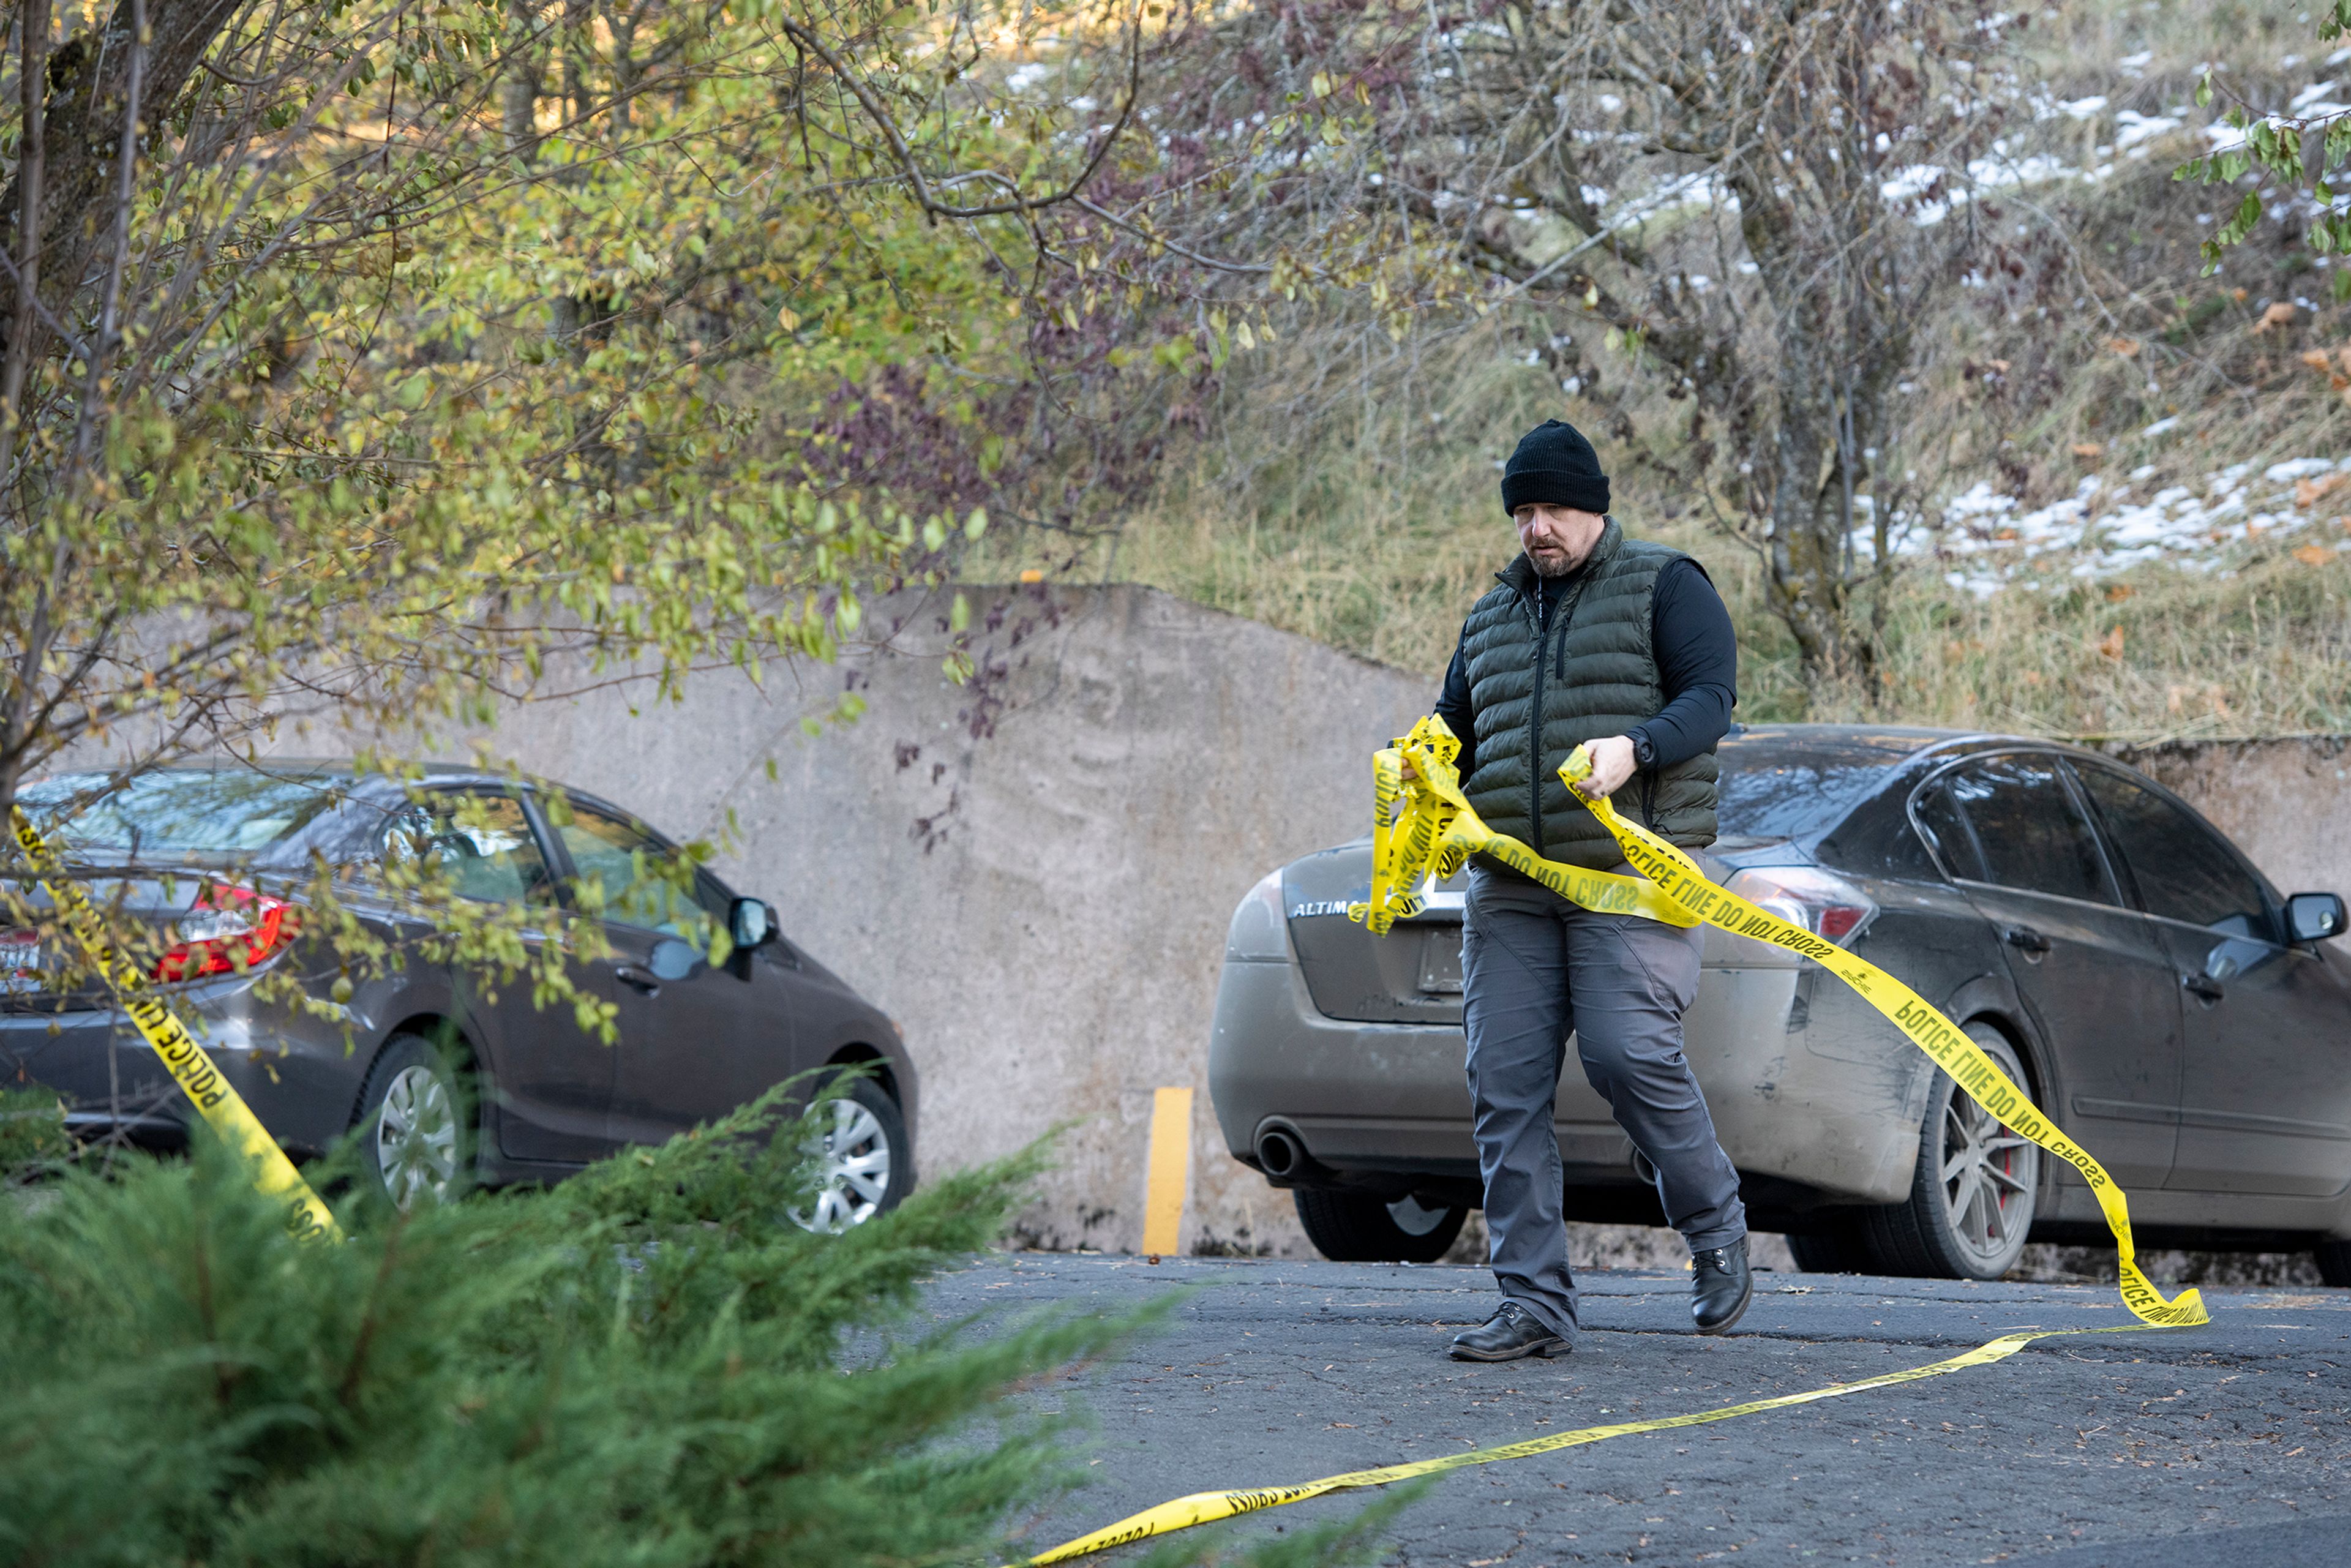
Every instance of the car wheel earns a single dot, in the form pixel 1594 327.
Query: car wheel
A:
pixel 2335 1262
pixel 414 1123
pixel 1837 1247
pixel 859 1141
pixel 1973 1196
pixel 1356 1227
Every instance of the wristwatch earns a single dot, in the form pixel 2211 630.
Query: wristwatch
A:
pixel 1645 751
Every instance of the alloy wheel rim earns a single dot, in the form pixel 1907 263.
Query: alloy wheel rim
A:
pixel 1413 1220
pixel 1987 1178
pixel 416 1137
pixel 852 1157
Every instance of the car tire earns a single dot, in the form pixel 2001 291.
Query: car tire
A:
pixel 1357 1227
pixel 865 1161
pixel 2335 1262
pixel 1835 1246
pixel 1974 1193
pixel 415 1123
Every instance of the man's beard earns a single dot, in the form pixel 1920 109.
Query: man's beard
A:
pixel 1558 565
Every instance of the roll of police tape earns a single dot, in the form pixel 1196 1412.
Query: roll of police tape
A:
pixel 183 1058
pixel 1428 833
pixel 1424 827
pixel 1206 1508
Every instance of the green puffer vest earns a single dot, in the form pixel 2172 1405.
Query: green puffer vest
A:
pixel 1537 696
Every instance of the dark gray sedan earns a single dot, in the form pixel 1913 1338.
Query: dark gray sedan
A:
pixel 208 857
pixel 2114 951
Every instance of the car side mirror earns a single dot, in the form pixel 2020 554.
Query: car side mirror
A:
pixel 2314 916
pixel 751 922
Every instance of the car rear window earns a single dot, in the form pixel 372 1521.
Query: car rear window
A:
pixel 1780 785
pixel 177 812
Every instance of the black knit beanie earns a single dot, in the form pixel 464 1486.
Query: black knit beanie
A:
pixel 1554 465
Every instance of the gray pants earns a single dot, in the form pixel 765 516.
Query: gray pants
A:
pixel 1535 966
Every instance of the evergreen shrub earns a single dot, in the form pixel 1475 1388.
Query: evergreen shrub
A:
pixel 648 1364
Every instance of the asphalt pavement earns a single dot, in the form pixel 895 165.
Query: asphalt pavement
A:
pixel 2229 1444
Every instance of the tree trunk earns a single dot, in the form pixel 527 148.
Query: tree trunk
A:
pixel 88 80
pixel 526 73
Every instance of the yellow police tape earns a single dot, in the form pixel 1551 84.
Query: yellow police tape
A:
pixel 1204 1507
pixel 1424 827
pixel 231 1117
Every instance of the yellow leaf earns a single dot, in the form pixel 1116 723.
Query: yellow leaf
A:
pixel 2313 555
pixel 2111 644
pixel 2088 449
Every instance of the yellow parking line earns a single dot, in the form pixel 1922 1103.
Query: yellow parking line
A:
pixel 1171 1169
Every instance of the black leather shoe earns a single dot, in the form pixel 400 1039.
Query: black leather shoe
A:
pixel 1509 1334
pixel 1721 1287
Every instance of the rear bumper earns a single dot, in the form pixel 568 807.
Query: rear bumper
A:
pixel 300 1075
pixel 1812 1099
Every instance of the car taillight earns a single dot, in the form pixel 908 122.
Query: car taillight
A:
pixel 227 929
pixel 1824 904
pixel 1258 933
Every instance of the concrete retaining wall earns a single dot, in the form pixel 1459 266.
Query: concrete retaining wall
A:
pixel 1033 874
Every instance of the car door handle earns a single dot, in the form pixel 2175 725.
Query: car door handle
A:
pixel 2204 987
pixel 2025 937
pixel 636 980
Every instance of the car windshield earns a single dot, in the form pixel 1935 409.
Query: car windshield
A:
pixel 177 812
pixel 1776 784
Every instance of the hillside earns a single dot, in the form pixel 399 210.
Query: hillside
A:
pixel 2129 482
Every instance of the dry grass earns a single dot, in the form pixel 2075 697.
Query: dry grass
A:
pixel 1378 536
pixel 2158 654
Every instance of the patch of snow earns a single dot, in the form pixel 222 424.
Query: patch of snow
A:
pixel 2131 128
pixel 1987 541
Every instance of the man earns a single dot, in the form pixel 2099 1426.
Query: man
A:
pixel 1624 647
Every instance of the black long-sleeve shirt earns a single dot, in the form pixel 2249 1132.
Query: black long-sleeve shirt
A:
pixel 1698 666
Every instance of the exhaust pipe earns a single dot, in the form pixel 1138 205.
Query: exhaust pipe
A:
pixel 1279 1152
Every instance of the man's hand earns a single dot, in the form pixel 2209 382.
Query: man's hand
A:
pixel 1612 764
